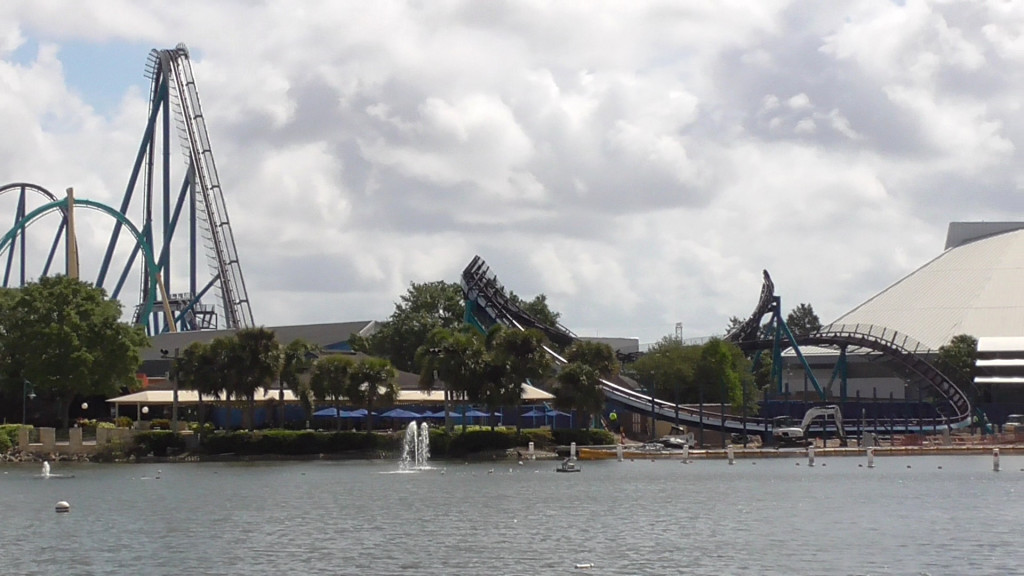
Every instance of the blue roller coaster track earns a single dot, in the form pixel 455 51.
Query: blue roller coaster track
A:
pixel 179 208
pixel 487 303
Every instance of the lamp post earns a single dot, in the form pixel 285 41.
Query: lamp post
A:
pixel 174 385
pixel 27 393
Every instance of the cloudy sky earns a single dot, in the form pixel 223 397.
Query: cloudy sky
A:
pixel 638 162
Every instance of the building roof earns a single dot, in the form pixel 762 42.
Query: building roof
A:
pixel 330 337
pixel 976 287
pixel 164 397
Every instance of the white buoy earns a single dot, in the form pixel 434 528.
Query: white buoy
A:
pixel 62 507
pixel 584 565
pixel 995 459
pixel 572 451
pixel 871 457
pixel 618 452
pixel 529 452
pixel 686 453
pixel 731 454
pixel 810 455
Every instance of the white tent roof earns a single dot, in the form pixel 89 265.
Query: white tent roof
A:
pixel 975 287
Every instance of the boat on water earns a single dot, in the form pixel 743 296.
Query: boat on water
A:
pixel 568 465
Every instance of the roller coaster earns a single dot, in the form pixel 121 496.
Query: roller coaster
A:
pixel 175 213
pixel 487 304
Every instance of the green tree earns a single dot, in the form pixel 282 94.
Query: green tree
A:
pixel 456 358
pixel 422 309
pixel 723 369
pixel 802 321
pixel 537 308
pixel 957 360
pixel 66 338
pixel 373 381
pixel 297 359
pixel 514 357
pixel 330 380
pixel 667 369
pixel 257 357
pixel 579 381
pixel 196 369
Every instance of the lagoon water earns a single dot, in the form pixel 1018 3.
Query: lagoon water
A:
pixel 926 515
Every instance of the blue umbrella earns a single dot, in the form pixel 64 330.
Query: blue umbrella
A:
pixel 475 414
pixel 400 413
pixel 331 412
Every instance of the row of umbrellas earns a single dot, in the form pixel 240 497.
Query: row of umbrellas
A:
pixel 402 413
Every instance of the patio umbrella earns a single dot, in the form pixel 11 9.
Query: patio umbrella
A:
pixel 356 413
pixel 475 414
pixel 534 414
pixel 400 413
pixel 331 412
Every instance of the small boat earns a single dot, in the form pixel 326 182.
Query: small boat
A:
pixel 568 465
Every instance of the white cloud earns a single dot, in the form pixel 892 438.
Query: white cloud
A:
pixel 638 163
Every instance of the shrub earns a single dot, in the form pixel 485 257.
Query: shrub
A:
pixel 481 440
pixel 160 424
pixel 589 437
pixel 298 442
pixel 124 422
pixel 540 438
pixel 157 443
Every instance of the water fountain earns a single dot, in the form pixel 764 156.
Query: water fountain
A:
pixel 415 447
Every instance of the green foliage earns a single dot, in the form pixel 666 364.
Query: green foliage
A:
pixel 8 436
pixel 512 358
pixel 481 440
pixel 372 381
pixel 957 360
pixel 297 359
pixel 158 443
pixel 537 308
pixel 588 437
pixel 802 320
pixel 298 443
pixel 66 338
pixel 160 424
pixel 424 308
pixel 124 422
pixel 541 438
pixel 330 377
pixel 579 382
pixel 667 368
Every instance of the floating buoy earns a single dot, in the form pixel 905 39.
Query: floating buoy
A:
pixel 62 507
pixel 730 454
pixel 584 565
pixel 995 459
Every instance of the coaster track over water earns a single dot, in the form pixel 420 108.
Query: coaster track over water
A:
pixel 487 303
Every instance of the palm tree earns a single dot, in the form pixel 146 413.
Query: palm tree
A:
pixel 195 369
pixel 330 380
pixel 258 357
pixel 455 357
pixel 579 381
pixel 514 357
pixel 297 359
pixel 372 381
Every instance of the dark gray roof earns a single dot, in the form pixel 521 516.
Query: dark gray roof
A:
pixel 323 335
